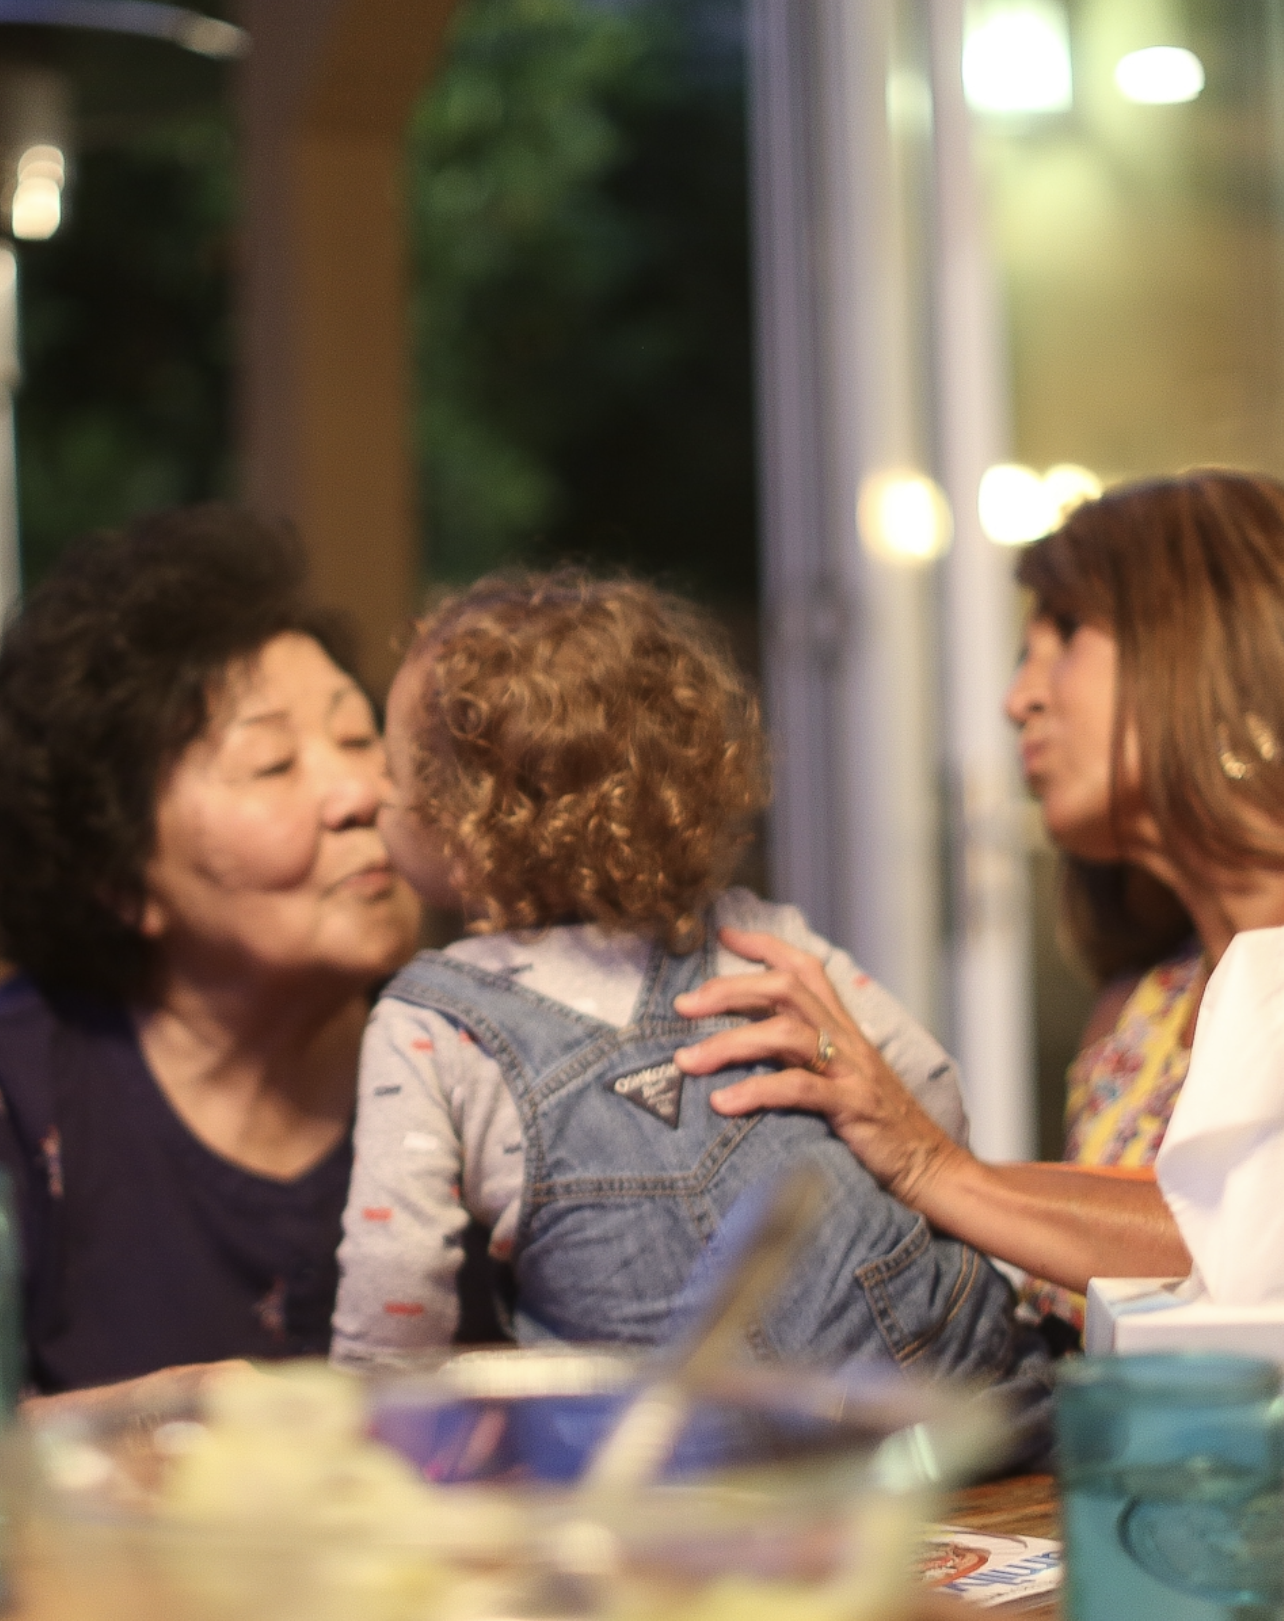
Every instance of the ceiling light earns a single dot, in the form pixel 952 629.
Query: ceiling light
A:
pixel 1016 505
pixel 43 163
pixel 35 209
pixel 1160 74
pixel 1013 505
pixel 1016 57
pixel 1068 486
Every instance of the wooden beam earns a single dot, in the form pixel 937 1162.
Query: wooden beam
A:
pixel 326 396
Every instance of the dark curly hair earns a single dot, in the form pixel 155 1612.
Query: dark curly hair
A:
pixel 106 676
pixel 588 751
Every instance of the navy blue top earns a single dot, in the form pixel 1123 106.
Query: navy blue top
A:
pixel 143 1247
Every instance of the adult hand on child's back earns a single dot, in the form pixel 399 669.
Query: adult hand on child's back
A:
pixel 862 1098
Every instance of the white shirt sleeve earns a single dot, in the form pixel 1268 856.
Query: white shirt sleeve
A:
pixel 404 1223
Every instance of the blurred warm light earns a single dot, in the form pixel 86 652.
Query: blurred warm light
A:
pixel 35 210
pixel 1016 57
pixel 1013 506
pixel 1068 486
pixel 1160 74
pixel 8 271
pixel 43 163
pixel 1016 505
pixel 904 516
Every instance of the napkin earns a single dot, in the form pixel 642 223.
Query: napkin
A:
pixel 1221 1165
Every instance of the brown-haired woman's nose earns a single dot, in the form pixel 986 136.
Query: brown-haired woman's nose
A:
pixel 1024 695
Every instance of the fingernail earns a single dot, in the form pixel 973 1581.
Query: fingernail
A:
pixel 681 997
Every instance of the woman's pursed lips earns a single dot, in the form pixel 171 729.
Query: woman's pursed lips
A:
pixel 371 879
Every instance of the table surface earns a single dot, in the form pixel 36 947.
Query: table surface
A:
pixel 1025 1505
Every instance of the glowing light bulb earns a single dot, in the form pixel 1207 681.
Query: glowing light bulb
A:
pixel 1068 486
pixel 904 517
pixel 1013 505
pixel 35 209
pixel 1160 74
pixel 1016 58
pixel 43 163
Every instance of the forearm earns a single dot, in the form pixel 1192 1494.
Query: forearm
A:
pixel 1063 1223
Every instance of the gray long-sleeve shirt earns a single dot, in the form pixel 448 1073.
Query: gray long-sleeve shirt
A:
pixel 439 1138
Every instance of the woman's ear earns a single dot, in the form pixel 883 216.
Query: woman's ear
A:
pixel 150 918
pixel 145 912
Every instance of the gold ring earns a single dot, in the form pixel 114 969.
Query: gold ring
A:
pixel 825 1050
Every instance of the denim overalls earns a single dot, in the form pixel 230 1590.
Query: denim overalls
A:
pixel 628 1173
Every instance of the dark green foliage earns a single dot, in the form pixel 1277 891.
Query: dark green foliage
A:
pixel 582 296
pixel 126 338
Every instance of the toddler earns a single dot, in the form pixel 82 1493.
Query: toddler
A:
pixel 578 763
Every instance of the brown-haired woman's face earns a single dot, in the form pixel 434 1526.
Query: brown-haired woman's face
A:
pixel 1062 699
pixel 267 857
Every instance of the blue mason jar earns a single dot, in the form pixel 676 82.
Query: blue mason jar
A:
pixel 1171 1473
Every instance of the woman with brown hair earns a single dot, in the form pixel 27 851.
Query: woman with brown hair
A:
pixel 1150 706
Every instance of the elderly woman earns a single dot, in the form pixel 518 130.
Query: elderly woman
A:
pixel 1150 705
pixel 197 899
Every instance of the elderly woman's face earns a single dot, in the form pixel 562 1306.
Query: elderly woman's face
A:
pixel 1063 700
pixel 267 857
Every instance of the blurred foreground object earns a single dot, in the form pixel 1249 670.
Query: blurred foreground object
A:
pixel 789 1494
pixel 1171 1475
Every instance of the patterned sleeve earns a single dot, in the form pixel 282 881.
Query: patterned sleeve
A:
pixel 404 1223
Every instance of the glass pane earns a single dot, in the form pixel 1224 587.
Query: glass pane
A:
pixel 1139 241
pixel 1132 160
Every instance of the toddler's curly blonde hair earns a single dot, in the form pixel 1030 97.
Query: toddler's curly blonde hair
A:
pixel 587 752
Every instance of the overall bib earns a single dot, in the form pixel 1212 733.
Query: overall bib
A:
pixel 629 1172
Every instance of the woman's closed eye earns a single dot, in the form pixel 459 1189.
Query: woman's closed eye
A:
pixel 276 768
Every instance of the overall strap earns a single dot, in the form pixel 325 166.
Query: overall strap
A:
pixel 527 1034
pixel 668 976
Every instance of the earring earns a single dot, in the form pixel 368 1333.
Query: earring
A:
pixel 1231 764
pixel 1263 739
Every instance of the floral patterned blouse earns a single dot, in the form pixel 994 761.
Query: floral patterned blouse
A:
pixel 1121 1092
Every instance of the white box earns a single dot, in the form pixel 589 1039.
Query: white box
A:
pixel 1130 1315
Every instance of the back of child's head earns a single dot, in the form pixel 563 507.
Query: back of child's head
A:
pixel 587 751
